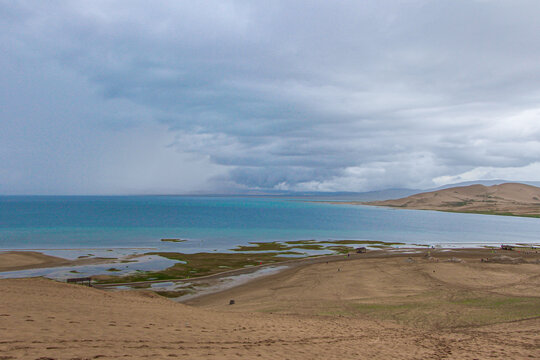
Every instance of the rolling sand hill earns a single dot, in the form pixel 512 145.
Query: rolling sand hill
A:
pixel 22 260
pixel 412 305
pixel 505 199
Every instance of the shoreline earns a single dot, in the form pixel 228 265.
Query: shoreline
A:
pixel 29 260
pixel 77 249
pixel 40 260
pixel 200 284
pixel 472 212
pixel 416 303
pixel 507 199
pixel 305 261
pixel 470 255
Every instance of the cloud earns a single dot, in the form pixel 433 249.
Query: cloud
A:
pixel 296 95
pixel 529 171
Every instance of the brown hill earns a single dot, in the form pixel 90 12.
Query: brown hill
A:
pixel 503 199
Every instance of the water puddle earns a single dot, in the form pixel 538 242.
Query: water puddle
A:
pixel 122 266
pixel 195 288
pixel 229 282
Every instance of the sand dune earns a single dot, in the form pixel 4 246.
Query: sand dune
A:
pixel 21 260
pixel 509 198
pixel 371 308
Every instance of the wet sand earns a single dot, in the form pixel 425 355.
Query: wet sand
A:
pixel 23 260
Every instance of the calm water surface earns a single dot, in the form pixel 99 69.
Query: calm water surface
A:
pixel 220 223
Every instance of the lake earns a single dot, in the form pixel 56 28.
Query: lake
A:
pixel 220 223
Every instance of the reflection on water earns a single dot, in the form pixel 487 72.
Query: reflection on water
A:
pixel 202 287
pixel 163 285
pixel 230 281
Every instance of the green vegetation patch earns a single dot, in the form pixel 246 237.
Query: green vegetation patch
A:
pixel 342 242
pixel 174 293
pixel 457 203
pixel 299 242
pixel 493 212
pixel 310 247
pixel 200 264
pixel 441 311
pixel 317 245
pixel 173 240
pixel 256 253
pixel 141 286
pixel 363 242
pixel 263 246
pixel 340 249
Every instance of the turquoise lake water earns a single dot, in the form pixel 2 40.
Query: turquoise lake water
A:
pixel 220 223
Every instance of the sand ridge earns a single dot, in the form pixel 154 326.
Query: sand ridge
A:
pixel 316 311
pixel 22 260
pixel 71 321
pixel 508 198
pixel 381 276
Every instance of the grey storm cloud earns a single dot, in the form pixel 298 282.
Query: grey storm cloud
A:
pixel 181 96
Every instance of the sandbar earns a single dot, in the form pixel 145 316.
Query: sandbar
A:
pixel 23 260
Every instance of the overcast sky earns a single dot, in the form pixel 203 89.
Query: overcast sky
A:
pixel 138 97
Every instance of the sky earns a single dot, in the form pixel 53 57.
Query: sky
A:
pixel 180 97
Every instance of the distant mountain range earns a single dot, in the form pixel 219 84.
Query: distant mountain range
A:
pixel 368 196
pixel 500 199
pixel 354 196
pixel 386 194
pixel 485 183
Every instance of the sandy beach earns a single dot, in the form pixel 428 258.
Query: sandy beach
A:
pixel 23 260
pixel 447 305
